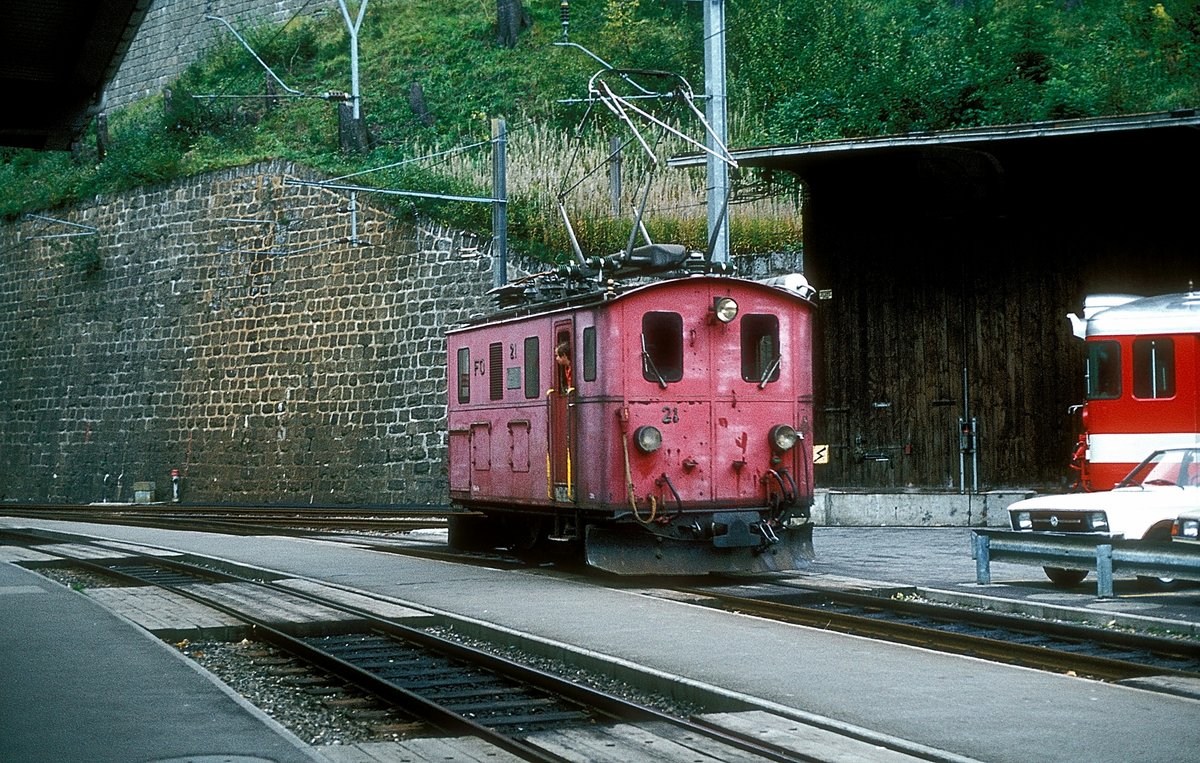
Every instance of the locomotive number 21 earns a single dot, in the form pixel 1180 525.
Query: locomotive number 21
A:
pixel 670 415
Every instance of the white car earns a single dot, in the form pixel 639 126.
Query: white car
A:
pixel 1143 506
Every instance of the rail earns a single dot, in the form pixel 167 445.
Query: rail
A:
pixel 1107 556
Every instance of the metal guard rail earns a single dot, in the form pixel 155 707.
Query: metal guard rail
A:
pixel 1105 554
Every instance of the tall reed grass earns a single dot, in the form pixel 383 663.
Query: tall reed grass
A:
pixel 544 164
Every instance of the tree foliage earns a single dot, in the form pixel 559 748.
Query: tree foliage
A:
pixel 799 70
pixel 819 69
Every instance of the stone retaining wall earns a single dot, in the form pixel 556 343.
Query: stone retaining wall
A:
pixel 232 332
pixel 227 326
pixel 175 33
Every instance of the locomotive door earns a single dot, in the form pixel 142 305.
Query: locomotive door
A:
pixel 562 413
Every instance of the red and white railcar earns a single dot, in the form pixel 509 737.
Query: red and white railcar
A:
pixel 679 440
pixel 1143 381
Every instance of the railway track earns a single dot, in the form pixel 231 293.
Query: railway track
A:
pixel 1098 653
pixel 424 680
pixel 1051 645
pixel 1063 647
pixel 242 520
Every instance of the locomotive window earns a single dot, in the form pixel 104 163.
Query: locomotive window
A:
pixel 760 349
pixel 464 374
pixel 1154 368
pixel 1104 370
pixel 533 368
pixel 589 353
pixel 496 370
pixel 662 347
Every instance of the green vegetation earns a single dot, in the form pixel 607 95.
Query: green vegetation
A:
pixel 799 70
pixel 852 69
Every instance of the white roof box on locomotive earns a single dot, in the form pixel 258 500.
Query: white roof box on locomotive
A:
pixel 793 282
pixel 1124 314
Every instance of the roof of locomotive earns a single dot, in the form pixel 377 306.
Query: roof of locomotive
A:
pixel 1164 314
pixel 783 286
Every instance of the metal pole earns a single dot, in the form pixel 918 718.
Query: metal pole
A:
pixel 962 455
pixel 715 113
pixel 964 435
pixel 614 174
pixel 974 454
pixel 352 27
pixel 983 559
pixel 499 205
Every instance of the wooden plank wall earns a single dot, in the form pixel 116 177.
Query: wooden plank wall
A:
pixel 945 259
pixel 897 336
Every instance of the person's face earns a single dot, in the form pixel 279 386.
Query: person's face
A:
pixel 562 360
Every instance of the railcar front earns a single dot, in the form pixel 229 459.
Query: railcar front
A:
pixel 709 466
pixel 678 442
pixel 1143 381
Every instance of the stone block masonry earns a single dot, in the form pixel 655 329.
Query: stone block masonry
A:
pixel 232 332
pixel 175 34
pixel 230 329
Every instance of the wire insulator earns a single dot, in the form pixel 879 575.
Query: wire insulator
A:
pixel 564 11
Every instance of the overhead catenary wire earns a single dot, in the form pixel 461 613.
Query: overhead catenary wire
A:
pixel 329 95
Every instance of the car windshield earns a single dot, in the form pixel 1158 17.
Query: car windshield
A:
pixel 1167 467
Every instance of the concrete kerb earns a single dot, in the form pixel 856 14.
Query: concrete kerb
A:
pixel 915 508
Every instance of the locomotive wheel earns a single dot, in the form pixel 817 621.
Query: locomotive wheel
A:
pixel 1065 578
pixel 471 532
pixel 525 536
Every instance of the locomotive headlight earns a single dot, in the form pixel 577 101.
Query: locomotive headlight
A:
pixel 726 308
pixel 648 439
pixel 783 437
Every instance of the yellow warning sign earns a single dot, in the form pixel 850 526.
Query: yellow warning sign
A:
pixel 820 454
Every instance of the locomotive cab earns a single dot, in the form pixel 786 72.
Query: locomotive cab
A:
pixel 665 429
pixel 1142 377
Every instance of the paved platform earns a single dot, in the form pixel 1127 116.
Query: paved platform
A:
pixel 83 684
pixel 968 709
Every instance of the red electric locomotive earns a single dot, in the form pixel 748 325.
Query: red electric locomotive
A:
pixel 664 427
pixel 1143 382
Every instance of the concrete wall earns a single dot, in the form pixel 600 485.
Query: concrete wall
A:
pixel 915 508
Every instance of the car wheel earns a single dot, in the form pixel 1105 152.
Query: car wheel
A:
pixel 1065 578
pixel 1149 582
pixel 1157 584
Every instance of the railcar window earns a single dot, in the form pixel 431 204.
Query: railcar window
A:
pixel 589 353
pixel 496 370
pixel 1104 370
pixel 533 368
pixel 1154 368
pixel 662 347
pixel 760 348
pixel 464 374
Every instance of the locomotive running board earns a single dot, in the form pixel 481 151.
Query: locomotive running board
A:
pixel 637 552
